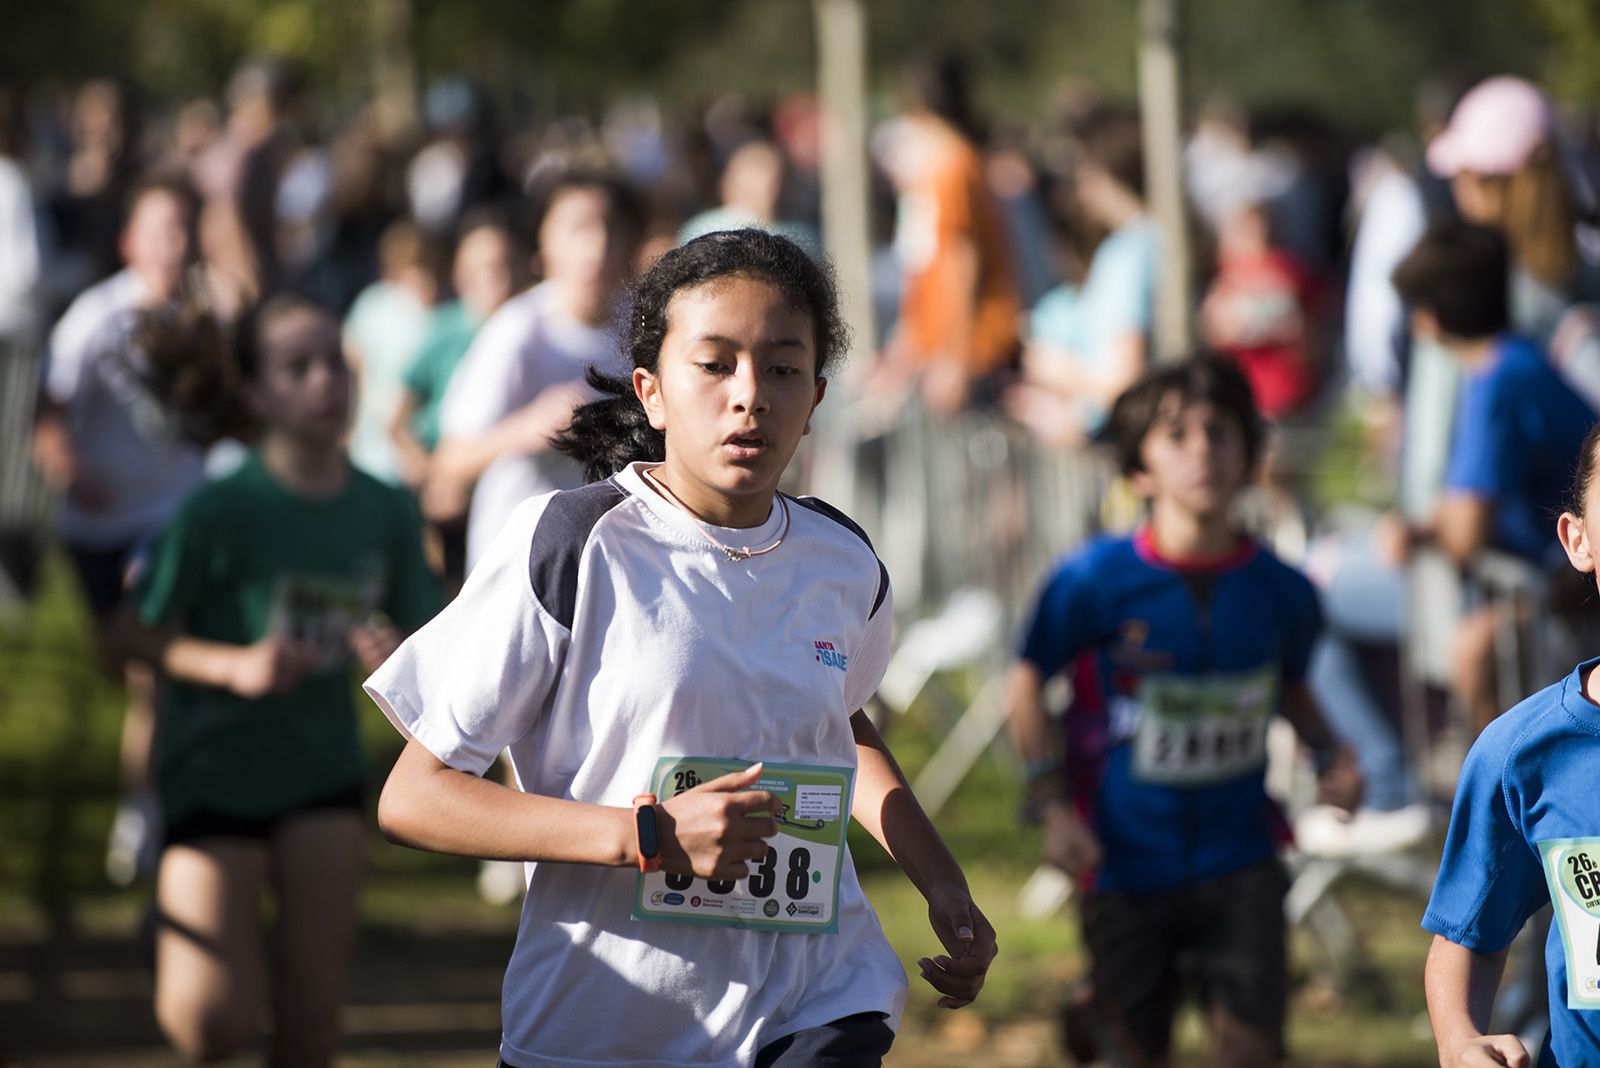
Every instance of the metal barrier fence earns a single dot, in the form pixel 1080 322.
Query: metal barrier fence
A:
pixel 963 503
pixel 22 497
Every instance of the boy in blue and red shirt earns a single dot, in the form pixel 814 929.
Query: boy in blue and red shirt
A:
pixel 1181 642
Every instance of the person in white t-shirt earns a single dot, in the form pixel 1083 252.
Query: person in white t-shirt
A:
pixel 524 374
pixel 116 457
pixel 675 656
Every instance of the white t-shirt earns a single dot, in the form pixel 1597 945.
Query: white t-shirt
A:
pixel 600 632
pixel 525 347
pixel 125 442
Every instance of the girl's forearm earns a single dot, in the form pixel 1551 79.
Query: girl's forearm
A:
pixel 886 807
pixel 1030 727
pixel 429 805
pixel 178 656
pixel 1461 986
pixel 196 660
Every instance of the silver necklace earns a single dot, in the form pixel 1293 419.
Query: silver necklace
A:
pixel 744 552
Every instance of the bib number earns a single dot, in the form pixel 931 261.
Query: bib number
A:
pixel 795 887
pixel 1195 731
pixel 1572 871
pixel 320 611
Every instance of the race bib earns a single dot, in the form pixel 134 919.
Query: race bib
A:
pixel 320 611
pixel 1572 870
pixel 1197 730
pixel 796 886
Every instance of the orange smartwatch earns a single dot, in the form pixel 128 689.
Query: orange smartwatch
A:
pixel 645 833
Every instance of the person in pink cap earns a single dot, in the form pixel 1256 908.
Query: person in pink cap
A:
pixel 1501 156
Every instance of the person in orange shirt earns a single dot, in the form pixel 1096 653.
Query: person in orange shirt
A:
pixel 959 305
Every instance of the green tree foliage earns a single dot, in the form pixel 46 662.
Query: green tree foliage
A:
pixel 1359 60
pixel 1574 71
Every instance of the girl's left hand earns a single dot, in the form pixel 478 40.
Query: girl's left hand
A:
pixel 373 643
pixel 967 936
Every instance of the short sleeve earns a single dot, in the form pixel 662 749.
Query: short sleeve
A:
pixel 1056 319
pixel 446 334
pixel 1489 879
pixel 355 324
pixel 1063 619
pixel 418 375
pixel 1128 284
pixel 871 658
pixel 487 385
pixel 413 592
pixel 480 674
pixel 174 573
pixel 1483 452
pixel 70 351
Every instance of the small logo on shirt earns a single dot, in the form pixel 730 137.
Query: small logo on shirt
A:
pixel 1131 660
pixel 827 654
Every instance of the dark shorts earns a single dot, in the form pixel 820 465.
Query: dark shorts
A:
pixel 1224 939
pixel 849 1042
pixel 207 823
pixel 102 573
pixel 858 1041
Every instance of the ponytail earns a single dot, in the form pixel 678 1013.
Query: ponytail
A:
pixel 608 434
pixel 197 364
pixel 195 371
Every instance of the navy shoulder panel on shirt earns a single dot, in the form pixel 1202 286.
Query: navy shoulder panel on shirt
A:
pixel 823 508
pixel 558 541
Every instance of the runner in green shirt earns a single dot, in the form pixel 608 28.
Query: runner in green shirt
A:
pixel 256 602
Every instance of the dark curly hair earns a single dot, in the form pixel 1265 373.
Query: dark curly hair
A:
pixel 197 364
pixel 608 434
pixel 1583 476
pixel 1200 378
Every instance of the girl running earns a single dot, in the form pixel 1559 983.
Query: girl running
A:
pixel 1525 831
pixel 253 602
pixel 675 657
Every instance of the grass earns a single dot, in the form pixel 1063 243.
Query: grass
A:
pixel 432 951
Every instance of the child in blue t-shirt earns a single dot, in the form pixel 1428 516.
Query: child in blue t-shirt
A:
pixel 1181 642
pixel 1526 830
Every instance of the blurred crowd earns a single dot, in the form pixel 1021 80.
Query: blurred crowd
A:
pixel 1014 268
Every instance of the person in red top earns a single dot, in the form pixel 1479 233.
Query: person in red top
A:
pixel 1265 311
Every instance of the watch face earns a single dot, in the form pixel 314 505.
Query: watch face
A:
pixel 645 819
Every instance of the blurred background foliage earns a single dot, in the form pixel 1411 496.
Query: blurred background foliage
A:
pixel 1359 60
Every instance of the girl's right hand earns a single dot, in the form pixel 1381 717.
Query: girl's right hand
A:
pixel 1492 1051
pixel 272 665
pixel 709 831
pixel 1068 842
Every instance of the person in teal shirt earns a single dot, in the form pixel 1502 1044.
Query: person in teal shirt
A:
pixel 489 267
